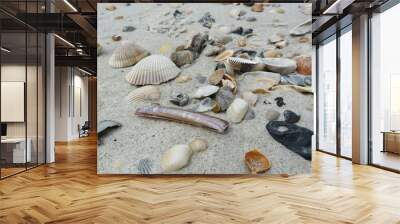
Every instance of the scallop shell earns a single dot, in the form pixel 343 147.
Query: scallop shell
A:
pixel 127 54
pixel 233 64
pixel 145 93
pixel 224 55
pixel 256 161
pixel 154 69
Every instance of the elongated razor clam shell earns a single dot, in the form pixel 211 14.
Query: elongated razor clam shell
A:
pixel 183 116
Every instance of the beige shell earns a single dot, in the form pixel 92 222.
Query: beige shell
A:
pixel 198 145
pixel 154 69
pixel 224 55
pixel 256 161
pixel 145 93
pixel 127 54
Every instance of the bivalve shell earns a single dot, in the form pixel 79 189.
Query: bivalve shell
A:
pixel 256 161
pixel 205 91
pixel 154 69
pixel 233 64
pixel 280 65
pixel 126 55
pixel 198 145
pixel 145 93
pixel 224 55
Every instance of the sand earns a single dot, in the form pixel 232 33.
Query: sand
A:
pixel 141 138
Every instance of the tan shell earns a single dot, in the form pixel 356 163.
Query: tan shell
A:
pixel 183 79
pixel 300 89
pixel 224 55
pixel 256 161
pixel 127 54
pixel 198 145
pixel 216 77
pixel 257 7
pixel 250 97
pixel 145 93
pixel 272 54
pixel 304 65
pixel 259 82
pixel 154 69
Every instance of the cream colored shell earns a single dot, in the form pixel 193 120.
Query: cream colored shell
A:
pixel 154 69
pixel 126 55
pixel 145 93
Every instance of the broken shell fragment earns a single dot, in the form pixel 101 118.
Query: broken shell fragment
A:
pixel 279 65
pixel 198 145
pixel 250 98
pixel 237 110
pixel 304 65
pixel 259 82
pixel 257 7
pixel 179 99
pixel 183 79
pixel 182 57
pixel 257 162
pixel 175 158
pixel 205 91
pixel 272 54
pixel 224 98
pixel 116 37
pixel 216 77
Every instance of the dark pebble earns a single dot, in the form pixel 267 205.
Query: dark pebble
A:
pixel 290 116
pixel 128 29
pixel 279 101
pixel 238 30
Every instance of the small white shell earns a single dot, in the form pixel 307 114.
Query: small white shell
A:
pixel 198 145
pixel 126 55
pixel 205 91
pixel 145 93
pixel 237 110
pixel 154 69
pixel 175 158
pixel 233 64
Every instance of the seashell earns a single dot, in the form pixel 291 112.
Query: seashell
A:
pixel 175 158
pixel 205 91
pixel 182 57
pixel 281 44
pixel 205 105
pixel 99 49
pixel 145 166
pixel 304 65
pixel 154 69
pixel 251 19
pixel 300 89
pixel 233 64
pixel 111 7
pixel 224 55
pixel 250 98
pixel 279 65
pixel 116 37
pixel 295 138
pixel 143 94
pixel 272 115
pixel 225 29
pixel 183 79
pixel 230 82
pixel 216 77
pixel 106 125
pixel 127 54
pixel 216 108
pixel 179 99
pixel 213 50
pixel 290 116
pixel 275 38
pixel 224 98
pixel 272 54
pixel 198 145
pixel 197 43
pixel 259 82
pixel 304 39
pixel 257 7
pixel 293 79
pixel 241 42
pixel 302 28
pixel 237 110
pixel 256 161
pixel 222 40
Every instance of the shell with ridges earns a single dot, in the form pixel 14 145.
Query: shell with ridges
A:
pixel 233 64
pixel 224 55
pixel 127 54
pixel 154 69
pixel 145 93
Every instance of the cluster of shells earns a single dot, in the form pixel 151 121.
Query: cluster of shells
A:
pixel 241 74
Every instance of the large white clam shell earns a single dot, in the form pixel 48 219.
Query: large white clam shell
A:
pixel 237 110
pixel 154 69
pixel 145 93
pixel 175 158
pixel 127 54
